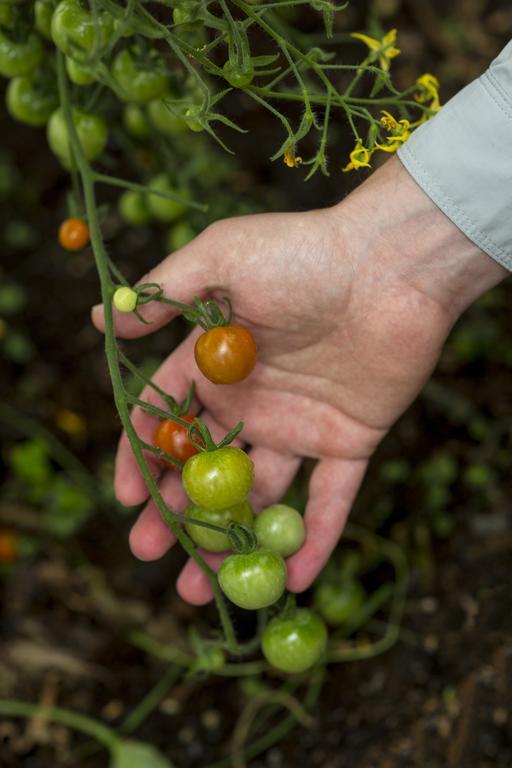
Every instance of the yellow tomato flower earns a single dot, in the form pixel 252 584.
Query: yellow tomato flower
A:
pixel 428 91
pixel 382 50
pixel 290 160
pixel 399 131
pixel 359 158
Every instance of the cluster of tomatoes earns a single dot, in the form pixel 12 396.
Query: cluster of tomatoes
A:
pixel 218 480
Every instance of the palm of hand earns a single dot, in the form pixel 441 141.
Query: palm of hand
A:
pixel 341 355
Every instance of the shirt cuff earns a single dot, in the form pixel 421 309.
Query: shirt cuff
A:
pixel 462 159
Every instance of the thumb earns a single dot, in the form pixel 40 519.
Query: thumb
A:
pixel 190 271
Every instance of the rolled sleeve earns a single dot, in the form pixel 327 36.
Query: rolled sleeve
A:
pixel 462 159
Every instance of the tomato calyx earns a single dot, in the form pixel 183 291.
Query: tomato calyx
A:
pixel 202 439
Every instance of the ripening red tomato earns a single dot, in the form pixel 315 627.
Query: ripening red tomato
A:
pixel 226 354
pixel 73 234
pixel 174 440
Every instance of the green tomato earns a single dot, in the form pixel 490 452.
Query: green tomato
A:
pixel 133 208
pixel 179 235
pixel 294 644
pixel 280 528
pixel 139 81
pixel 125 299
pixel 43 12
pixel 164 120
pixel 339 602
pixel 136 122
pixel 162 208
pixel 185 16
pixel 19 58
pixel 75 31
pixel 80 74
pixel 191 119
pixel 214 541
pixel 238 77
pixel 255 580
pixel 218 479
pixel 29 101
pixel 92 135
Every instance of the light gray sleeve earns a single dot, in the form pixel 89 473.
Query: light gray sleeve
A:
pixel 462 159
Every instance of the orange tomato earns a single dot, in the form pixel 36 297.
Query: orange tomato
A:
pixel 226 354
pixel 73 234
pixel 174 440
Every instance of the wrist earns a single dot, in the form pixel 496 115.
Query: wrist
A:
pixel 401 236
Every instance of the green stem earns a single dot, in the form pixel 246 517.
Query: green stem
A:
pixel 101 733
pixel 88 177
pixel 152 699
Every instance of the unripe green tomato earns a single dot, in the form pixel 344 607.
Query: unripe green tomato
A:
pixel 214 541
pixel 339 602
pixel 125 299
pixel 163 208
pixel 238 77
pixel 191 120
pixel 296 643
pixel 139 82
pixel 133 208
pixel 43 12
pixel 210 660
pixel 75 31
pixel 80 74
pixel 19 58
pixel 218 479
pixel 164 120
pixel 253 581
pixel 28 102
pixel 185 17
pixel 280 528
pixel 92 135
pixel 136 122
pixel 179 235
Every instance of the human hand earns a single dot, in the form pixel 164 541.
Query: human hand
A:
pixel 350 307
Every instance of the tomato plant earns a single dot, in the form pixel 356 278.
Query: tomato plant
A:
pixel 214 541
pixel 79 73
pixel 92 135
pixel 179 235
pixel 43 13
pixel 164 120
pixel 255 580
pixel 218 479
pixel 133 208
pixel 140 79
pixel 294 644
pixel 19 57
pixel 280 528
pixel 173 439
pixel 73 234
pixel 338 602
pixel 76 32
pixel 226 354
pixel 163 208
pixel 31 100
pixel 125 299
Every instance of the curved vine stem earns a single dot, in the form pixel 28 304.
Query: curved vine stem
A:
pixel 88 178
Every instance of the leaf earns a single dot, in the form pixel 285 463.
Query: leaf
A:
pixel 137 754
